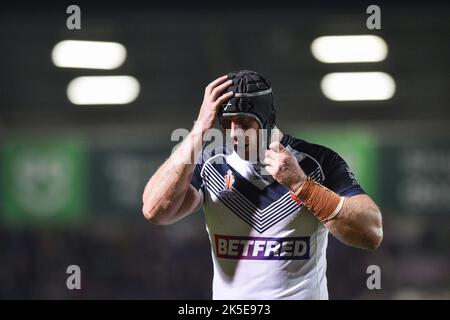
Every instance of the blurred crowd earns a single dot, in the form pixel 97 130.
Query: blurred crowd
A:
pixel 132 259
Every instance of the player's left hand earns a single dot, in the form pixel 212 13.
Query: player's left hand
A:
pixel 284 167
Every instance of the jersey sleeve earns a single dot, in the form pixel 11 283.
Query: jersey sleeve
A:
pixel 196 179
pixel 339 177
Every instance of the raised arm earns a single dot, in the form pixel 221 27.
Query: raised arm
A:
pixel 355 220
pixel 168 195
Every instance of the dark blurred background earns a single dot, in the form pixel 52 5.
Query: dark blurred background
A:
pixel 71 176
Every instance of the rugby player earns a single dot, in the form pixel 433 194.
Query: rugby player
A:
pixel 268 220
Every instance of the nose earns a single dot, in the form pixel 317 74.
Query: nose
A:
pixel 236 131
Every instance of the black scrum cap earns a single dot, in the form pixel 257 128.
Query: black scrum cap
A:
pixel 252 97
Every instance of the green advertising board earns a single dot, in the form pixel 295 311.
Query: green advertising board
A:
pixel 43 180
pixel 357 146
pixel 416 176
pixel 59 180
pixel 119 176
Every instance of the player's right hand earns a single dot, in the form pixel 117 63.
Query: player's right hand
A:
pixel 212 101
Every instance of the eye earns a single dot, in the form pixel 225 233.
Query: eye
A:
pixel 245 123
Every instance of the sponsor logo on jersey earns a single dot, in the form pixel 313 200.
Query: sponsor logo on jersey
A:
pixel 262 248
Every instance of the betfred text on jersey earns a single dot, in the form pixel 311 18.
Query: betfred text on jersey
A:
pixel 262 248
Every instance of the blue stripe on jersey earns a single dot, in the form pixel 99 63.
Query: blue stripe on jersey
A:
pixel 259 198
pixel 259 219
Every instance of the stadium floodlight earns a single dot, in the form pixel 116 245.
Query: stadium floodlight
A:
pixel 88 54
pixel 349 48
pixel 351 86
pixel 103 90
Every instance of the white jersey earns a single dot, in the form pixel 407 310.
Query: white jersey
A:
pixel 264 245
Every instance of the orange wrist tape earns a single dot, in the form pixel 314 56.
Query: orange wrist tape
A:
pixel 320 200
